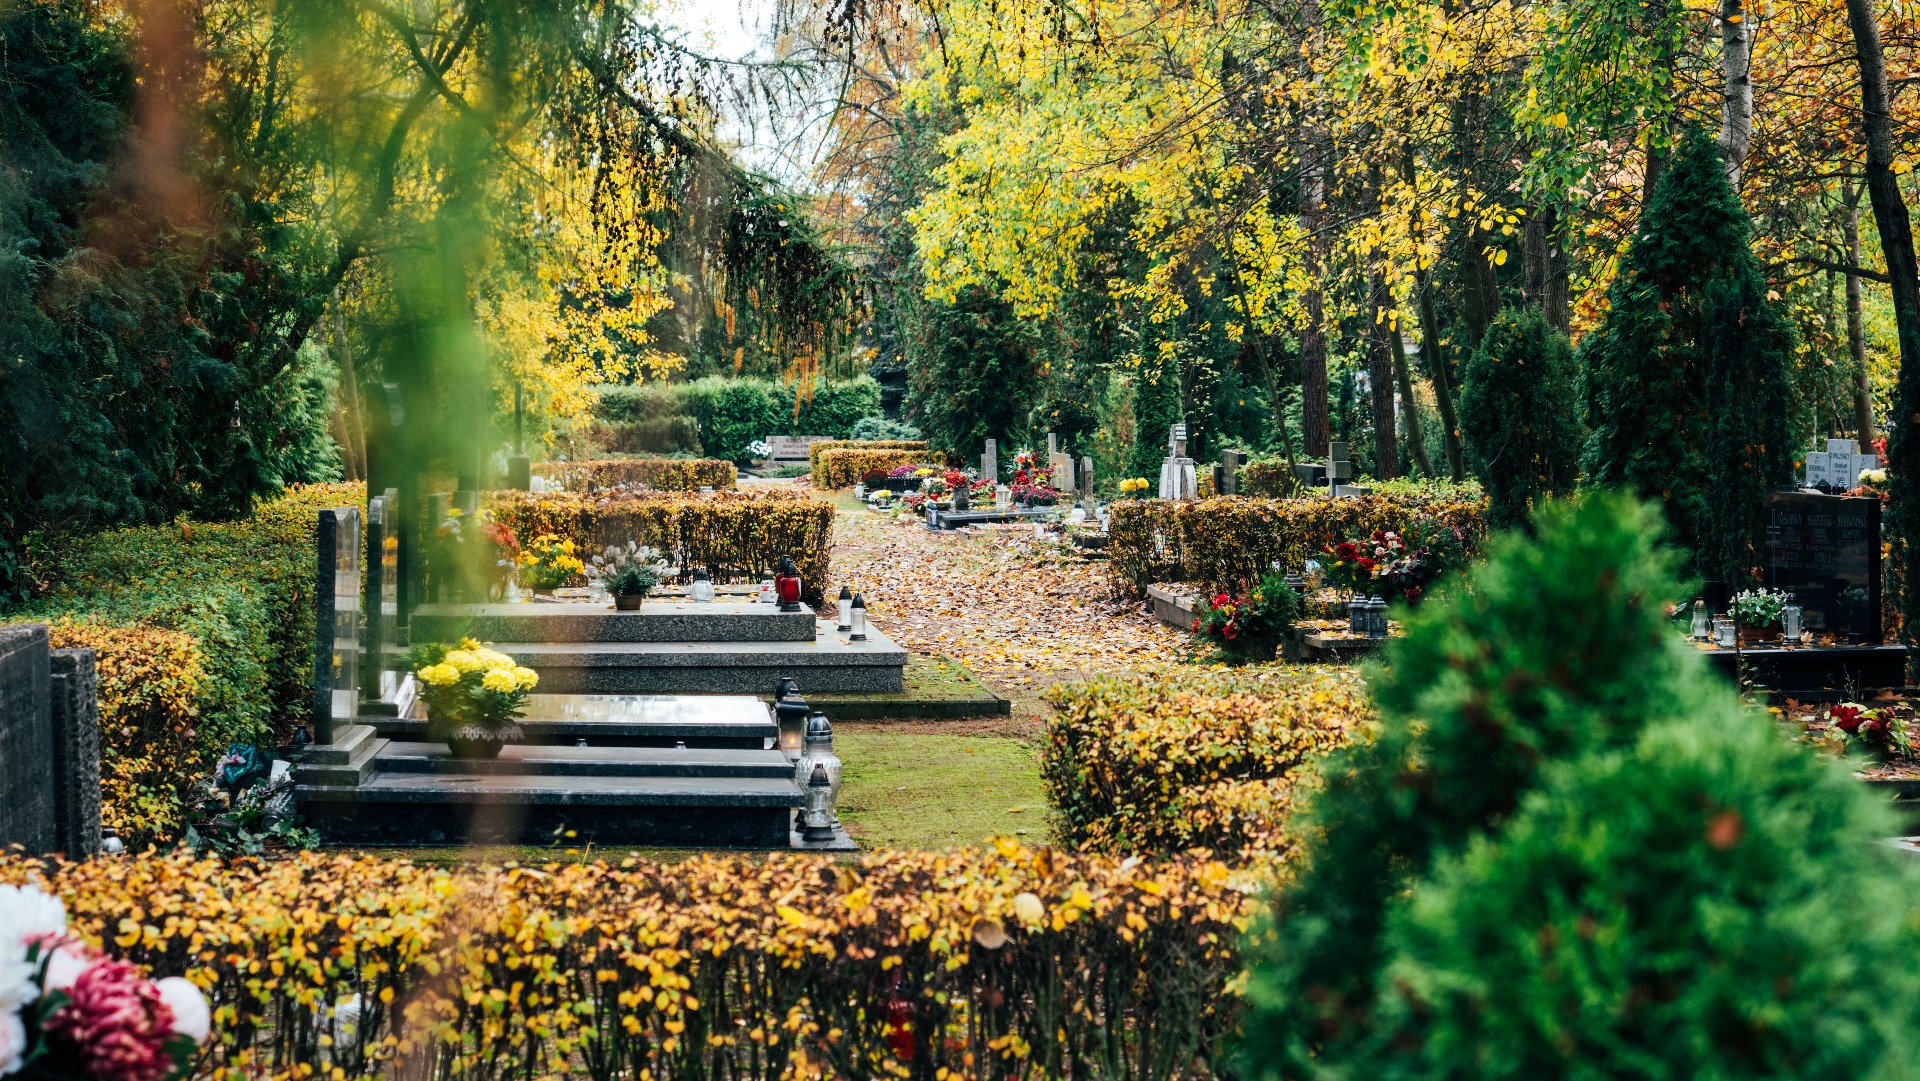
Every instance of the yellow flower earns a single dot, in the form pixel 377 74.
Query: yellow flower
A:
pixel 526 678
pixel 439 675
pixel 493 658
pixel 470 643
pixel 500 681
pixel 463 661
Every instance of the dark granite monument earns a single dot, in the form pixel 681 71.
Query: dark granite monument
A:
pixel 380 601
pixel 336 659
pixel 1825 550
pixel 49 745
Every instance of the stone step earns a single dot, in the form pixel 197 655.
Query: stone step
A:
pixel 508 625
pixel 329 768
pixel 569 761
pixel 423 808
pixel 830 662
pixel 629 720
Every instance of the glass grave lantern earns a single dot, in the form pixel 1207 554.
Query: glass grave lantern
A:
pixel 857 619
pixel 816 818
pixel 1792 620
pixel 1702 623
pixel 845 622
pixel 701 591
pixel 786 585
pixel 1723 633
pixel 791 713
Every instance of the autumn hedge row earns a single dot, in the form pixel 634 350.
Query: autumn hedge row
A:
pixel 1231 541
pixel 204 637
pixel 995 962
pixel 817 451
pixel 844 468
pixel 1157 762
pixel 734 535
pixel 659 474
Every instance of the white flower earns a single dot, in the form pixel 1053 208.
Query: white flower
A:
pixel 66 964
pixel 17 989
pixel 191 1018
pixel 28 912
pixel 13 1043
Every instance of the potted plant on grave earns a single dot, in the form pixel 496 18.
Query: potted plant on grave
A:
pixel 629 572
pixel 1248 628
pixel 548 563
pixel 473 696
pixel 1758 613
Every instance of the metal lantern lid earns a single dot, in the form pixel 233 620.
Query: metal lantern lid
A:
pixel 788 687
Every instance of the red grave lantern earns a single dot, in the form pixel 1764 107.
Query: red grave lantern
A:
pixel 786 585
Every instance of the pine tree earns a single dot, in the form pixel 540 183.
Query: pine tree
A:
pixel 1519 410
pixel 1658 370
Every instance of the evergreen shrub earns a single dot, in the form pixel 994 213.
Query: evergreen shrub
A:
pixel 1519 412
pixel 721 415
pixel 1570 851
pixel 204 634
pixel 735 536
pixel 1001 961
pixel 1158 762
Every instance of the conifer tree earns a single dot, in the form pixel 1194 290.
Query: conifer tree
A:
pixel 1686 386
pixel 1519 410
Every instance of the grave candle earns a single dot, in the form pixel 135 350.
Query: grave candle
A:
pixel 858 619
pixel 1702 624
pixel 846 610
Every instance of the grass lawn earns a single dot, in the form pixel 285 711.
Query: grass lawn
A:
pixel 929 789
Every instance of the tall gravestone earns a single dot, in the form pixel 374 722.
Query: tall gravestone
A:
pixel 381 600
pixel 1086 482
pixel 27 815
pixel 990 462
pixel 1825 550
pixel 1231 462
pixel 1178 478
pixel 336 659
pixel 73 685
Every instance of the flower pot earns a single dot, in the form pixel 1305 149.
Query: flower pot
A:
pixel 1753 635
pixel 475 741
pixel 628 602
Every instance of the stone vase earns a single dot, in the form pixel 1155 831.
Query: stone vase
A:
pixel 479 742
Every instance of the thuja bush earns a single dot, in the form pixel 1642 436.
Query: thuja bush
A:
pixel 1520 413
pixel 1582 799
pixel 659 474
pixel 204 633
pixel 997 962
pixel 1164 761
pixel 1231 542
pixel 733 535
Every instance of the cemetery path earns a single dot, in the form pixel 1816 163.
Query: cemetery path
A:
pixel 1019 616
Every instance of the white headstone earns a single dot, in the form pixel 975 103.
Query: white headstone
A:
pixel 990 461
pixel 1817 468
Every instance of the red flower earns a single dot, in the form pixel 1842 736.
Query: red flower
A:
pixel 1847 718
pixel 1220 599
pixel 1196 625
pixel 1230 631
pixel 1379 535
pixel 1347 550
pixel 1873 728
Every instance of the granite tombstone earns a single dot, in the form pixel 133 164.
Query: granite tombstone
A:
pixel 336 658
pixel 1825 550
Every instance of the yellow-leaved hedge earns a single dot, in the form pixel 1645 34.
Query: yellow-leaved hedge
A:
pixel 843 468
pixel 1001 962
pixel 204 637
pixel 734 535
pixel 1163 761
pixel 660 474
pixel 816 451
pixel 1229 542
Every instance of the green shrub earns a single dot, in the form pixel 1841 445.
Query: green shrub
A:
pixel 205 637
pixel 880 429
pixel 1230 542
pixel 1708 904
pixel 1164 761
pixel 1481 713
pixel 720 416
pixel 1520 413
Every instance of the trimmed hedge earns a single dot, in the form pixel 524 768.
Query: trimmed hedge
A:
pixel 734 535
pixel 816 450
pixel 660 474
pixel 1229 542
pixel 204 633
pixel 1173 760
pixel 990 962
pixel 843 467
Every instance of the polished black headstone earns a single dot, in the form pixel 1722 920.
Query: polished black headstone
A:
pixel 336 659
pixel 27 773
pixel 74 684
pixel 1825 550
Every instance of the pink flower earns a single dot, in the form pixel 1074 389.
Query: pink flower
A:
pixel 65 964
pixel 118 1022
pixel 13 1043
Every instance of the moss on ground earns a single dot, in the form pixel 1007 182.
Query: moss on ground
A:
pixel 933 790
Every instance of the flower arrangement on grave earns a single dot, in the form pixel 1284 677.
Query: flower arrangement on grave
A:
pixel 70 1014
pixel 549 563
pixel 629 572
pixel 1248 627
pixel 1758 612
pixel 1134 487
pixel 935 486
pixel 1032 494
pixel 873 478
pixel 1879 732
pixel 902 472
pixel 1872 485
pixel 474 553
pixel 474 696
pixel 1389 565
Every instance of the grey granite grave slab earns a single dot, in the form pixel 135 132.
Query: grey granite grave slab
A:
pixel 74 697
pixel 587 621
pixel 831 662
pixel 642 720
pixel 28 814
pixel 590 761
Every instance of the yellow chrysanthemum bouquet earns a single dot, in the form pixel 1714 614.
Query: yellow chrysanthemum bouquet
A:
pixel 473 694
pixel 548 563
